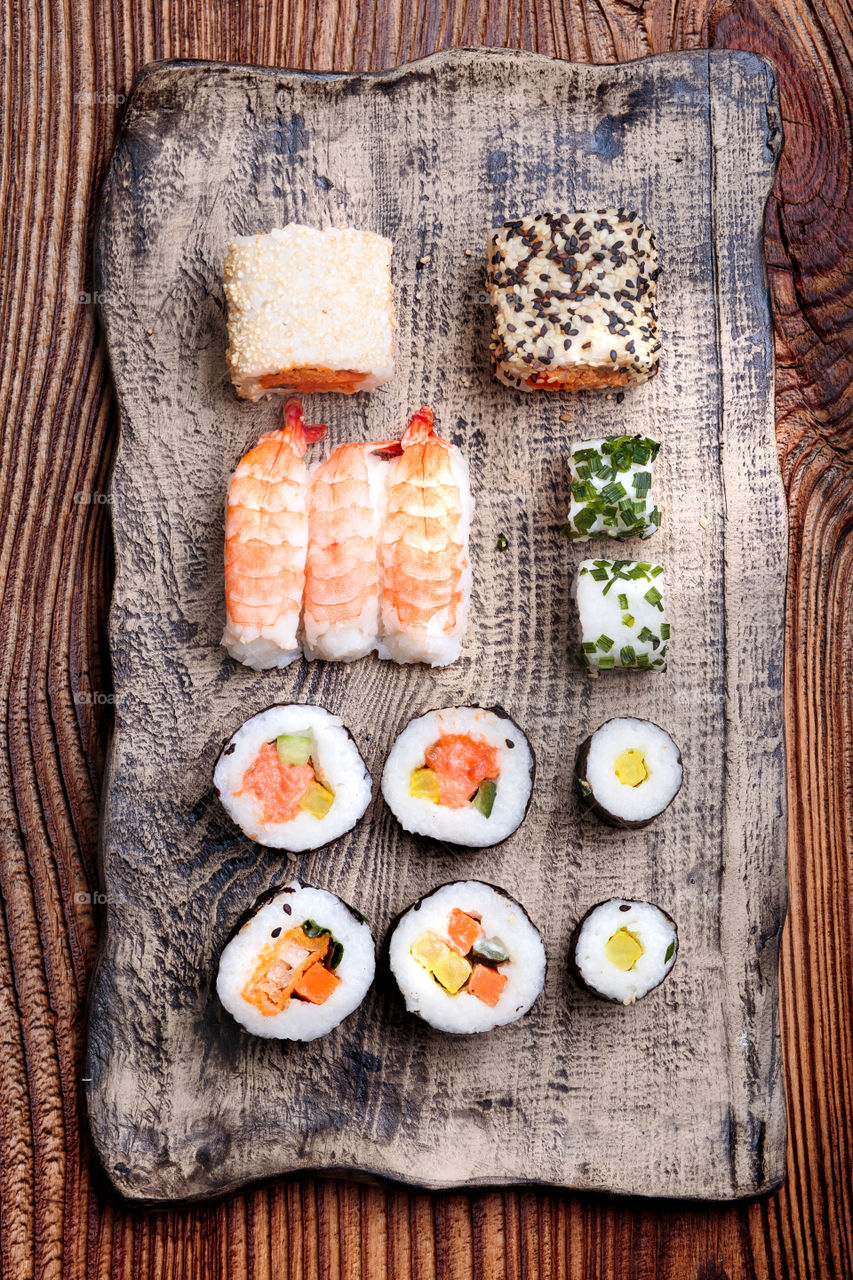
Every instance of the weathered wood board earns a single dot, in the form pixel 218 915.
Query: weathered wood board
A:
pixel 680 1095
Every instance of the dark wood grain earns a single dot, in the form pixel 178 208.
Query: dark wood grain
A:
pixel 55 555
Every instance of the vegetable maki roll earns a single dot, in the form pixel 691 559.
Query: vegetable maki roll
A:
pixel 628 772
pixel 462 775
pixel 292 778
pixel 298 963
pixel 467 958
pixel 309 310
pixel 622 616
pixel 574 301
pixel 621 950
pixel 611 488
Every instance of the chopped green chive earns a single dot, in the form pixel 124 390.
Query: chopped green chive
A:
pixel 627 656
pixel 627 620
pixel 646 636
pixel 642 482
pixel 664 631
pixel 670 951
pixel 502 542
pixel 623 600
pixel 653 596
pixel 606 663
pixel 656 570
pixel 605 643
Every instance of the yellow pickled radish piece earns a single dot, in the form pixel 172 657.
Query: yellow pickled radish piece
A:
pixel 317 800
pixel 445 964
pixel 630 767
pixel 423 785
pixel 623 950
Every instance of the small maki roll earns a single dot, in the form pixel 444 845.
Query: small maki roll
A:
pixel 467 958
pixel 574 301
pixel 292 778
pixel 622 615
pixel 621 950
pixel 463 775
pixel 611 488
pixel 298 963
pixel 628 772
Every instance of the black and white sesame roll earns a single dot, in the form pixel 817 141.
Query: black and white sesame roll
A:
pixel 622 950
pixel 574 301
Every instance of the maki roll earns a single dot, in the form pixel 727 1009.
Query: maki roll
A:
pixel 309 310
pixel 611 488
pixel 574 301
pixel 621 950
pixel 462 775
pixel 628 771
pixel 298 963
pixel 622 615
pixel 467 958
pixel 292 778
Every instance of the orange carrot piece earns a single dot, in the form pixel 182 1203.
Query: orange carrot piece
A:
pixel 462 931
pixel 317 984
pixel 486 984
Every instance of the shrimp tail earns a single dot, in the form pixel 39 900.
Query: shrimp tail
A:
pixel 297 430
pixel 420 429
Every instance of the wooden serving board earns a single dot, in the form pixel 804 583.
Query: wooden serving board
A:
pixel 680 1095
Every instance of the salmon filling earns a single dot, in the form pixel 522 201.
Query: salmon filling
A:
pixel 460 764
pixel 310 378
pixel 279 788
pixel 464 960
pixel 286 969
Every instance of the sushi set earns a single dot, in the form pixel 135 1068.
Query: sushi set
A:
pixel 433 850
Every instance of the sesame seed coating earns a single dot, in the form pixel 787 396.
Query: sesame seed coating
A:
pixel 585 284
pixel 304 298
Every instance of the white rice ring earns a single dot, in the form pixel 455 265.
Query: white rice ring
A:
pixel 653 928
pixel 336 760
pixel 502 917
pixel 467 826
pixel 299 1020
pixel 617 803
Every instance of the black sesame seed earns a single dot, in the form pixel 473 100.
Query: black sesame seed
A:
pixel 287 908
pixel 620 396
pixel 612 355
pixel 625 907
pixel 276 932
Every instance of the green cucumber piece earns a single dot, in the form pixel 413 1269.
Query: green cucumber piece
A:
pixel 293 748
pixel 491 950
pixel 484 800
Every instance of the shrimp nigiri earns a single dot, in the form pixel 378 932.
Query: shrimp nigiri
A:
pixel 342 579
pixel 266 538
pixel 426 573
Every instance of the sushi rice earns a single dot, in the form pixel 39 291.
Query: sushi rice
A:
pixel 334 757
pixel 502 921
pixel 621 949
pixel 270 948
pixel 462 823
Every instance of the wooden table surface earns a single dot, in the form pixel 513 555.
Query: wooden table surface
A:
pixel 66 67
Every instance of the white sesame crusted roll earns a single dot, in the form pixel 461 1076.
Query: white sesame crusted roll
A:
pixel 309 310
pixel 574 301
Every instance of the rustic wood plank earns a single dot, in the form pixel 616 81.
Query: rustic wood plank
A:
pixel 682 1097
pixel 807 1227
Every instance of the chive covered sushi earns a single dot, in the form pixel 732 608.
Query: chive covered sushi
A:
pixel 467 958
pixel 628 771
pixel 611 488
pixel 298 963
pixel 292 778
pixel 622 950
pixel 462 775
pixel 622 615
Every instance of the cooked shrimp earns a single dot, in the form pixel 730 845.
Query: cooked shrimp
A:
pixel 426 574
pixel 341 619
pixel 266 536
